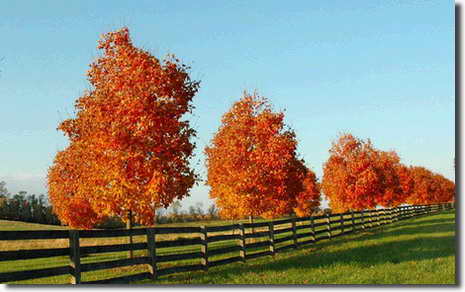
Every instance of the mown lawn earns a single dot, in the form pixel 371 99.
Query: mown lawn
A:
pixel 414 251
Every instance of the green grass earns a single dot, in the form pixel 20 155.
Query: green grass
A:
pixel 414 251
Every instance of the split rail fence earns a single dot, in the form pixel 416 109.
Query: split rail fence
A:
pixel 211 242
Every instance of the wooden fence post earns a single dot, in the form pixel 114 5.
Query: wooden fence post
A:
pixel 271 234
pixel 312 222
pixel 363 219
pixel 294 233
pixel 352 218
pixel 328 223
pixel 368 221
pixel 152 253
pixel 204 247
pixel 75 256
pixel 242 241
pixel 341 218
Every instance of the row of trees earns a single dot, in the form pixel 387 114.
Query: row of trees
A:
pixel 253 170
pixel 358 176
pixel 36 209
pixel 24 207
pixel 130 147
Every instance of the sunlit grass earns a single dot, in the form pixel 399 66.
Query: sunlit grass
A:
pixel 415 251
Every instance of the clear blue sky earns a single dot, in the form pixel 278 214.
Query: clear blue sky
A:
pixel 380 69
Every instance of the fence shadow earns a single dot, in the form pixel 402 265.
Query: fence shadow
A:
pixel 366 256
pixel 370 254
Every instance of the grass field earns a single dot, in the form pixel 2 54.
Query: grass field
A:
pixel 414 251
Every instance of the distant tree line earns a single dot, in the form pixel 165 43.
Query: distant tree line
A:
pixel 173 214
pixel 36 209
pixel 25 207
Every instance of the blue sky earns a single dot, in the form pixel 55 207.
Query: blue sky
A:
pixel 382 70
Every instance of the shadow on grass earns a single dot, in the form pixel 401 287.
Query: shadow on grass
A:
pixel 425 246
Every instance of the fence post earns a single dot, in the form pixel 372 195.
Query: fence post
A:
pixel 341 218
pixel 271 234
pixel 370 218
pixel 363 219
pixel 204 247
pixel 294 233
pixel 352 218
pixel 242 242
pixel 328 223
pixel 75 257
pixel 152 253
pixel 312 222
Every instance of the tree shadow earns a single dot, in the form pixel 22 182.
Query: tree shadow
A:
pixel 364 257
pixel 409 229
pixel 424 247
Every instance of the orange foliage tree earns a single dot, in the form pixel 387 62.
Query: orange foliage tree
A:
pixel 395 182
pixel 129 142
pixel 447 188
pixel 430 188
pixel 357 176
pixel 253 169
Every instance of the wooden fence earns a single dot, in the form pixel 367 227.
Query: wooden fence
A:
pixel 276 236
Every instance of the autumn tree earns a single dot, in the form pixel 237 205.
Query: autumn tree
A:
pixel 309 199
pixel 394 181
pixel 130 144
pixel 430 187
pixel 447 188
pixel 253 169
pixel 358 176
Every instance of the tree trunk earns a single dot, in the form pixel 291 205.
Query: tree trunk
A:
pixel 129 225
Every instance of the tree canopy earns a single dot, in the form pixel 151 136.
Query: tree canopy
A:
pixel 253 168
pixel 129 142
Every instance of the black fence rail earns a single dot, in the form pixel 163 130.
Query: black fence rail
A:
pixel 268 238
